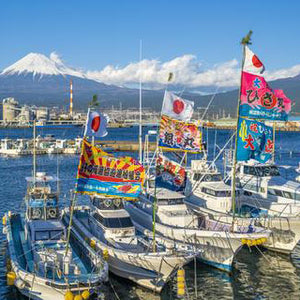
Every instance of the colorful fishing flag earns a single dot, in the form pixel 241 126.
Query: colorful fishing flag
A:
pixel 170 171
pixel 179 135
pixel 259 101
pixel 255 141
pixel 177 108
pixel 101 174
pixel 252 64
pixel 96 124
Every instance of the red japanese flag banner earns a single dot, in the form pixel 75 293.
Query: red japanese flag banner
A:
pixel 177 108
pixel 252 64
pixel 96 124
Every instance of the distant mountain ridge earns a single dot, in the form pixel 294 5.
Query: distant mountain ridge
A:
pixel 44 81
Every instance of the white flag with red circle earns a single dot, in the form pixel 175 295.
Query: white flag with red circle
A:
pixel 177 108
pixel 252 64
pixel 96 124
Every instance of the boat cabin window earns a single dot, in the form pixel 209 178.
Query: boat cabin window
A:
pixel 261 171
pixel 56 235
pixel 217 193
pixel 44 235
pixel 207 177
pixel 284 194
pixel 171 201
pixel 114 222
pixel 252 188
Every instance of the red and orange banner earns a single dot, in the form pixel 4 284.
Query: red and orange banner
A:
pixel 107 175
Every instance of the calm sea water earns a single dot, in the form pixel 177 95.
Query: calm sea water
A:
pixel 256 275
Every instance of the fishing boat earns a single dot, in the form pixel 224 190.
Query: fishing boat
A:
pixel 266 191
pixel 216 241
pixel 43 263
pixel 45 260
pixel 129 254
pixel 209 196
pixel 267 199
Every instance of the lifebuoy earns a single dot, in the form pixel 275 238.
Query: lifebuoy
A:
pixel 107 202
pixel 36 213
pixel 52 213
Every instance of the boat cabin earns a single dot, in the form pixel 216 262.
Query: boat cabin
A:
pixel 171 208
pixel 41 201
pixel 46 231
pixel 116 224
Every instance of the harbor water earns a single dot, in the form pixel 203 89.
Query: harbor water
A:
pixel 256 275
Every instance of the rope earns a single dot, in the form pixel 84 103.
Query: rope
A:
pixel 116 295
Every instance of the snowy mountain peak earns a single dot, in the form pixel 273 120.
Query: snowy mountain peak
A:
pixel 40 64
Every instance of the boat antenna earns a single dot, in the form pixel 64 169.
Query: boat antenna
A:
pixel 57 174
pixel 274 132
pixel 140 105
pixel 34 153
pixel 244 42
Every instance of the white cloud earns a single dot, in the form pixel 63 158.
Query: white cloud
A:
pixel 188 71
pixel 283 73
pixel 56 58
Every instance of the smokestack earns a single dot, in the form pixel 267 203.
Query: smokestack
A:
pixel 71 97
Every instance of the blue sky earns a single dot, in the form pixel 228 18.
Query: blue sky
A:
pixel 93 34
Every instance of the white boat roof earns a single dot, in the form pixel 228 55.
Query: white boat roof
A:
pixel 37 225
pixel 164 193
pixel 216 185
pixel 119 213
pixel 281 183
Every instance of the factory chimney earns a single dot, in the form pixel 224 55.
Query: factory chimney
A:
pixel 71 97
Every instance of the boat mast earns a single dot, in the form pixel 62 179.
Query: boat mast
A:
pixel 274 132
pixel 245 41
pixel 140 106
pixel 34 153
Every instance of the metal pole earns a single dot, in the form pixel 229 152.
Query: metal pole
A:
pixel 34 153
pixel 140 102
pixel 233 177
pixel 274 132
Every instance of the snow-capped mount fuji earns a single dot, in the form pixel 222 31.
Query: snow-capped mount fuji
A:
pixel 44 81
pixel 40 65
pixel 41 80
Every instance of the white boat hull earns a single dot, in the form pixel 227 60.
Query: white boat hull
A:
pixel 216 248
pixel 150 270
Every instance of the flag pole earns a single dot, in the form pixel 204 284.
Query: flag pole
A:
pixel 274 132
pixel 245 41
pixel 170 77
pixel 140 107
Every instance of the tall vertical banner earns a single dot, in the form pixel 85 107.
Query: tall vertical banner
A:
pixel 255 141
pixel 179 135
pixel 99 173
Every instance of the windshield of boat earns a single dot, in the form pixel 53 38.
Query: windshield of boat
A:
pixel 114 222
pixel 215 193
pixel 207 177
pixel 53 235
pixel 284 194
pixel 261 171
pixel 171 201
